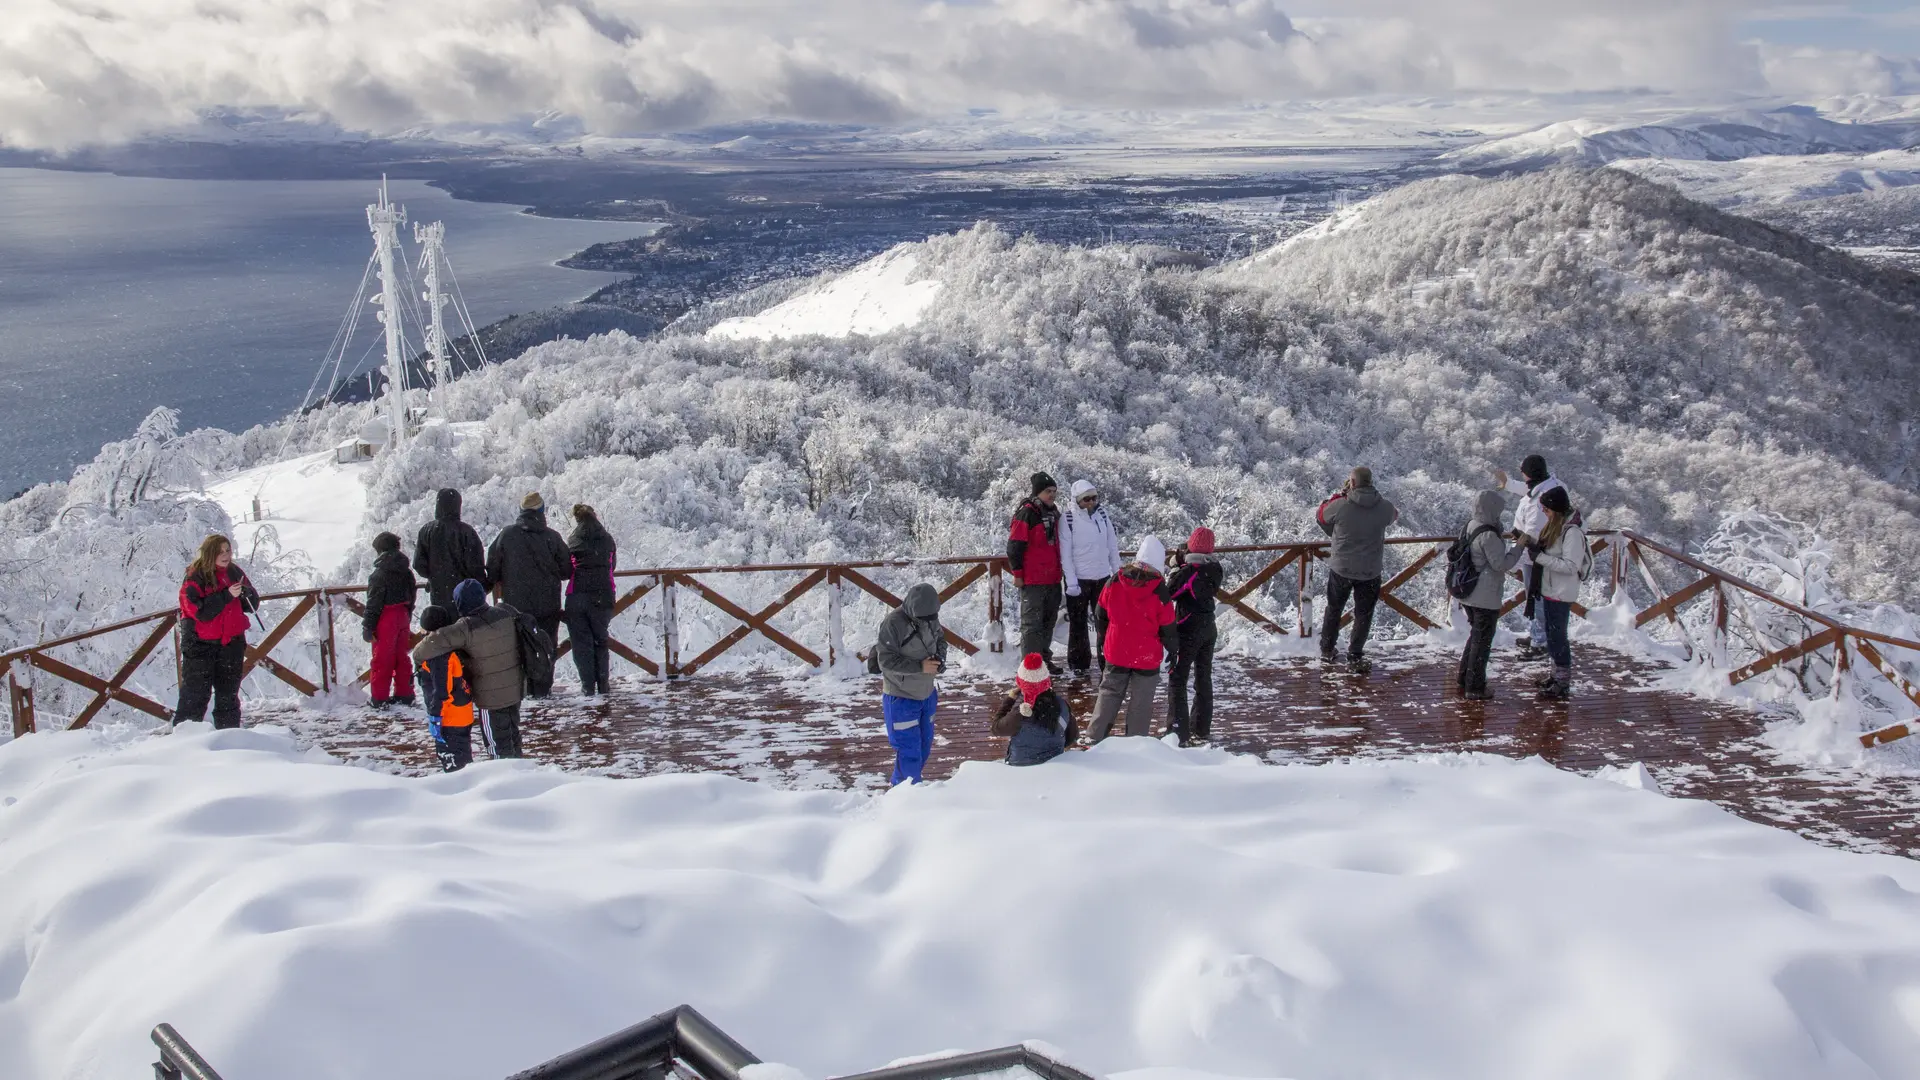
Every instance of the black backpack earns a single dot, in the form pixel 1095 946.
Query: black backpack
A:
pixel 536 650
pixel 1462 576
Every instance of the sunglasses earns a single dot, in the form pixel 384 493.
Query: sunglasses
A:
pixel 1089 499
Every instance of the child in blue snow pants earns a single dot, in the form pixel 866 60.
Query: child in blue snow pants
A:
pixel 910 731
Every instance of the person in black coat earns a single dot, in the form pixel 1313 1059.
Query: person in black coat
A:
pixel 388 622
pixel 1195 582
pixel 590 597
pixel 528 563
pixel 448 551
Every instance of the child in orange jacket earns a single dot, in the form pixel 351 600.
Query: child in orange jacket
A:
pixel 449 700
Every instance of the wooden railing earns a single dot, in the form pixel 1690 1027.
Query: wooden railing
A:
pixel 1291 563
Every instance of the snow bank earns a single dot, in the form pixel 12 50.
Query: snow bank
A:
pixel 877 296
pixel 313 503
pixel 1137 906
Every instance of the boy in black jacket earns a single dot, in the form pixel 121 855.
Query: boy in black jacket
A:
pixel 1195 581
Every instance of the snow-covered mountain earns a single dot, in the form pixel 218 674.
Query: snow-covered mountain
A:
pixel 1721 135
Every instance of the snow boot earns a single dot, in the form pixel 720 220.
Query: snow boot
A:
pixel 1544 681
pixel 1329 657
pixel 1359 665
pixel 1527 651
pixel 1562 686
pixel 1478 694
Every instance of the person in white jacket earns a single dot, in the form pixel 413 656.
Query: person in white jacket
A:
pixel 1089 557
pixel 1563 559
pixel 1532 485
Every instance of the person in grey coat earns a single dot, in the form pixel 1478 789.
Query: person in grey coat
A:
pixel 910 651
pixel 1357 517
pixel 1493 557
pixel 489 648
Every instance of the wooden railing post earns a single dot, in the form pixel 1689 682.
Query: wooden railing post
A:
pixel 20 702
pixel 328 666
pixel 1719 642
pixel 669 630
pixel 1618 566
pixel 1840 666
pixel 1303 607
pixel 836 627
pixel 996 610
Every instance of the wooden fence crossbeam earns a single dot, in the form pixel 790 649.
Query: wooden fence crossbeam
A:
pixel 750 623
pixel 1261 578
pixel 414 637
pixel 1248 612
pixel 1773 660
pixel 1892 674
pixel 1659 595
pixel 62 670
pixel 256 653
pixel 289 676
pixel 1395 603
pixel 102 696
pixel 1673 601
pixel 957 585
pixel 621 649
pixel 870 588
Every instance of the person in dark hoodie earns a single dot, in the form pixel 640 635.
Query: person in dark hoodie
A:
pixel 1196 579
pixel 489 648
pixel 448 551
pixel 590 598
pixel 910 650
pixel 1136 611
pixel 528 563
pixel 1493 558
pixel 388 622
pixel 1034 716
pixel 1033 557
pixel 1357 518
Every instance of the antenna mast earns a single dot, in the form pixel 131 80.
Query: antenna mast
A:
pixel 384 220
pixel 432 240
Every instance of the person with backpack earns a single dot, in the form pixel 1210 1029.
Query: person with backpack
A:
pixel 1034 716
pixel 528 563
pixel 1033 558
pixel 1357 518
pixel 910 651
pixel 448 697
pixel 448 551
pixel 590 598
pixel 1089 557
pixel 1564 561
pixel 1137 612
pixel 388 622
pixel 1529 518
pixel 1477 566
pixel 215 599
pixel 488 641
pixel 1195 581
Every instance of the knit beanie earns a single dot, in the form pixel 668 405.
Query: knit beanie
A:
pixel 1533 468
pixel 434 618
pixel 1033 679
pixel 1201 542
pixel 386 542
pixel 1557 501
pixel 1152 555
pixel 1041 482
pixel 533 501
pixel 469 596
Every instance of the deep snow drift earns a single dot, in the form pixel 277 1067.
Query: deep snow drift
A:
pixel 1134 905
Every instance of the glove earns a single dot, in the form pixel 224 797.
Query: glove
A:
pixel 1534 551
pixel 1073 589
pixel 366 635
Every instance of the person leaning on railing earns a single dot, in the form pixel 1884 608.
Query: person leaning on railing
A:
pixel 214 601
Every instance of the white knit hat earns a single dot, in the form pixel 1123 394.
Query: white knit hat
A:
pixel 1152 555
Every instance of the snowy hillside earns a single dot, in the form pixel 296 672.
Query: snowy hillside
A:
pixel 1774 180
pixel 881 294
pixel 1709 136
pixel 1134 906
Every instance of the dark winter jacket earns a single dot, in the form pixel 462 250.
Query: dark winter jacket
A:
pixel 910 635
pixel 489 646
pixel 1136 614
pixel 1193 584
pixel 594 557
pixel 1038 738
pixel 448 551
pixel 1358 521
pixel 1033 543
pixel 529 562
pixel 216 614
pixel 445 691
pixel 390 585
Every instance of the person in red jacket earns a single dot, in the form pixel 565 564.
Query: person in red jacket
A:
pixel 1136 613
pixel 388 623
pixel 1033 557
pixel 214 601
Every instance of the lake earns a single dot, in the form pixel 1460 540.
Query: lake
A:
pixel 218 297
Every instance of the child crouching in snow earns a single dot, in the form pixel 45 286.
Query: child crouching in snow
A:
pixel 1035 715
pixel 449 700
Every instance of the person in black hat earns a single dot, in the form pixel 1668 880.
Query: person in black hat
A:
pixel 1529 519
pixel 1033 557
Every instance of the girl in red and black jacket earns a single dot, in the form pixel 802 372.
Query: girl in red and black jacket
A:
pixel 215 600
pixel 388 623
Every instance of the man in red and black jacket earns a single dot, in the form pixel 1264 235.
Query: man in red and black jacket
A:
pixel 1033 556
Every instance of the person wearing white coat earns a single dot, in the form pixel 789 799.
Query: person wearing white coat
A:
pixel 1564 560
pixel 1089 557
pixel 1532 485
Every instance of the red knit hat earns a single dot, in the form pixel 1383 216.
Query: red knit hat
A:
pixel 1033 679
pixel 1201 542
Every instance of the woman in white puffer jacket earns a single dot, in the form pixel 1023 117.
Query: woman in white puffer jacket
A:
pixel 1565 561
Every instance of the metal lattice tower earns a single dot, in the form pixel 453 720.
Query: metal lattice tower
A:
pixel 431 237
pixel 384 220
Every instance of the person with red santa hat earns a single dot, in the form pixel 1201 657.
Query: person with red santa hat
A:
pixel 1035 715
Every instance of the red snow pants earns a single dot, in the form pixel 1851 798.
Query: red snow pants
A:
pixel 392 665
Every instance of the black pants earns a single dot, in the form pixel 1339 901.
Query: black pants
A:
pixel 457 750
pixel 505 726
pixel 1039 611
pixel 1195 658
pixel 1365 595
pixel 551 624
pixel 209 669
pixel 1081 655
pixel 587 629
pixel 1473 659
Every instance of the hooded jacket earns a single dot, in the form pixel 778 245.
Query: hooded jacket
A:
pixel 1136 613
pixel 448 551
pixel 489 646
pixel 1562 564
pixel 1530 517
pixel 1491 554
pixel 1089 547
pixel 390 585
pixel 529 562
pixel 594 556
pixel 1358 521
pixel 1033 543
pixel 910 635
pixel 1194 584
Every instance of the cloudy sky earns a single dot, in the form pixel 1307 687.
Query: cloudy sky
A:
pixel 81 71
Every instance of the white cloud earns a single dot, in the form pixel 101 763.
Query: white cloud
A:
pixel 78 71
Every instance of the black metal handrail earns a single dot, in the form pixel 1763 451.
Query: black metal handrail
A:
pixel 178 1059
pixel 984 1061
